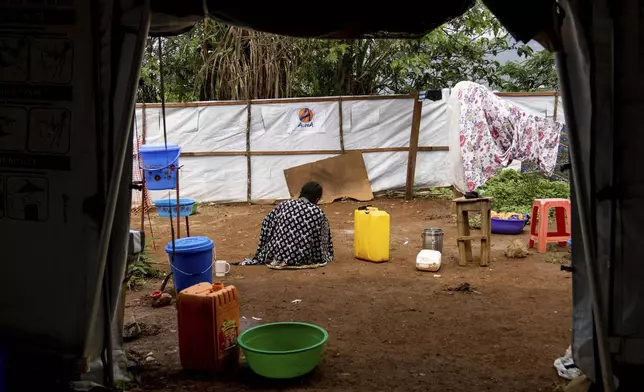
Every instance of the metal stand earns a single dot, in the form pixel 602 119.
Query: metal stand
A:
pixel 178 211
pixel 143 196
pixel 178 207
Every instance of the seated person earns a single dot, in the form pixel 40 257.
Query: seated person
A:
pixel 296 234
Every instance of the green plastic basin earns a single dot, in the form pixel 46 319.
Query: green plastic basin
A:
pixel 283 350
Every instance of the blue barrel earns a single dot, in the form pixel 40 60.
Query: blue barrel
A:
pixel 160 165
pixel 191 262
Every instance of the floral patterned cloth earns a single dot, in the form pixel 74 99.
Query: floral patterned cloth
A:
pixel 563 158
pixel 493 132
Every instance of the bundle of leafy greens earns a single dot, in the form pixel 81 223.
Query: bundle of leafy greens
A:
pixel 515 192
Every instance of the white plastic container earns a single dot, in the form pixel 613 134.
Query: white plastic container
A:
pixel 428 260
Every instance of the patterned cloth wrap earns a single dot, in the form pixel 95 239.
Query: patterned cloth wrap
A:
pixel 295 235
pixel 493 132
pixel 563 159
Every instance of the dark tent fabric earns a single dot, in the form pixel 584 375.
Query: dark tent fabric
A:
pixel 600 70
pixel 62 275
pixel 330 20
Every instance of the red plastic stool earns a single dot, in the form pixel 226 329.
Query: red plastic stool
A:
pixel 540 211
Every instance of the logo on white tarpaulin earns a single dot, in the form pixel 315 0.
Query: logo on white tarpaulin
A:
pixel 305 115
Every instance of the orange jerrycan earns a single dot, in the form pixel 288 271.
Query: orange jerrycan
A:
pixel 371 234
pixel 208 327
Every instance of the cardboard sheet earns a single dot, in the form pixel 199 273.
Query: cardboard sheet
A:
pixel 343 176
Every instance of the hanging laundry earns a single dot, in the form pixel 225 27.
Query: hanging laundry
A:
pixel 487 133
pixel 563 159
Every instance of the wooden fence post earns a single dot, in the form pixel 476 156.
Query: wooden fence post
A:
pixel 143 130
pixel 248 162
pixel 340 124
pixel 138 159
pixel 413 147
pixel 554 115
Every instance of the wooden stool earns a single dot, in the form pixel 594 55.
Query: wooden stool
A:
pixel 539 224
pixel 463 207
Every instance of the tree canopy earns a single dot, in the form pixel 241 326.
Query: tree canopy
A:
pixel 214 61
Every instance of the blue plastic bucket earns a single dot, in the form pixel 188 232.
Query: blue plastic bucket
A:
pixel 508 226
pixel 192 261
pixel 160 165
pixel 167 208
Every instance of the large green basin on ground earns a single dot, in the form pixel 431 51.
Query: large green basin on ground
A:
pixel 283 350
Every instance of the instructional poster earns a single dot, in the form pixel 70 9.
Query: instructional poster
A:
pixel 47 162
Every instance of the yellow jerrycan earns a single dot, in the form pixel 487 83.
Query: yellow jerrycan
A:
pixel 371 234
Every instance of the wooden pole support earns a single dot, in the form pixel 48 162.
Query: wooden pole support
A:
pixel 554 116
pixel 138 159
pixel 249 174
pixel 178 208
pixel 340 124
pixel 413 147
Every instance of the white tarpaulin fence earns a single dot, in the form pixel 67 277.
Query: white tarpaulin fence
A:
pixel 218 139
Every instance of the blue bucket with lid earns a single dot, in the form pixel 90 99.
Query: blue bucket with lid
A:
pixel 160 165
pixel 191 262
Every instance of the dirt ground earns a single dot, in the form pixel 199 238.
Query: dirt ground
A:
pixel 391 327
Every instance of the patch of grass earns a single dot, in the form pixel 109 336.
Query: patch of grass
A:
pixel 433 193
pixel 443 193
pixel 558 259
pixel 140 271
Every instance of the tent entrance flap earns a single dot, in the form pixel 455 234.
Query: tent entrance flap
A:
pixel 67 183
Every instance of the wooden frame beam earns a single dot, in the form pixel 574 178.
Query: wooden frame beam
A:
pixel 413 147
pixel 527 94
pixel 323 99
pixel 277 101
pixel 309 152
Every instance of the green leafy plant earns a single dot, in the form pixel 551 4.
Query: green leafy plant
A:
pixel 214 61
pixel 536 73
pixel 515 192
pixel 140 271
